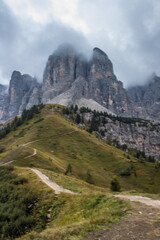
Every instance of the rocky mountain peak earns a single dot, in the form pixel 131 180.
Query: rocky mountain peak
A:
pixel 69 77
pixel 24 92
pixel 3 94
pixel 63 67
pixel 101 64
pixel 98 52
pixel 15 74
pixel 19 84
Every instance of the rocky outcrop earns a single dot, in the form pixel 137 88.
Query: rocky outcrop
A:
pixel 68 77
pixel 24 92
pixel 139 134
pixel 104 87
pixel 3 94
pixel 147 99
pixel 62 71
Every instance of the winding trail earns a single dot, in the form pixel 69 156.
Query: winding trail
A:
pixel 133 198
pixel 4 164
pixel 58 189
pixel 34 153
pixel 145 200
pixel 25 144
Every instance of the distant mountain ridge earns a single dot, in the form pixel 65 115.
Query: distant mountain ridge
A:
pixel 69 78
pixel 3 94
pixel 24 92
pixel 147 98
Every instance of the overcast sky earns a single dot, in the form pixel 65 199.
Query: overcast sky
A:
pixel 127 30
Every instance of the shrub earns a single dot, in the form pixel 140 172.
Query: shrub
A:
pixel 2 150
pixel 69 169
pixel 115 185
pixel 39 120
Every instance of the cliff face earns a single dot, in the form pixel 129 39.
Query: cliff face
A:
pixel 147 99
pixel 65 71
pixel 24 92
pixel 136 136
pixel 104 87
pixel 3 94
pixel 59 73
pixel 71 75
pixel 143 135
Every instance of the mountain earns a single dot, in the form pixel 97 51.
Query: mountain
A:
pixel 70 78
pixel 24 92
pixel 85 151
pixel 147 99
pixel 3 91
pixel 3 94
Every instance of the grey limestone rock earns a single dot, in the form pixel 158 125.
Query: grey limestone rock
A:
pixel 147 99
pixel 69 77
pixel 3 94
pixel 68 72
pixel 24 92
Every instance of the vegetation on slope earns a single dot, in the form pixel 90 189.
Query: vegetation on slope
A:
pixel 23 205
pixel 16 122
pixel 74 184
pixel 73 216
pixel 27 206
pixel 77 160
pixel 96 121
pixel 59 143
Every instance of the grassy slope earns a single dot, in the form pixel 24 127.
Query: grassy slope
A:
pixel 70 215
pixel 73 216
pixel 61 142
pixel 24 202
pixel 74 184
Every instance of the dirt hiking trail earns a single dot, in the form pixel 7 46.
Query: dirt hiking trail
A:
pixel 34 153
pixel 7 163
pixel 58 189
pixel 133 198
pixel 141 223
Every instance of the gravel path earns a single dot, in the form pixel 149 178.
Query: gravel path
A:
pixel 34 153
pixel 141 223
pixel 25 144
pixel 58 189
pixel 148 201
pixel 7 163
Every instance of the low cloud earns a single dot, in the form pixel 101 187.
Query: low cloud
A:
pixel 128 31
pixel 26 45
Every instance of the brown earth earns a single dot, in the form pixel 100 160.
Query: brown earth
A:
pixel 142 223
